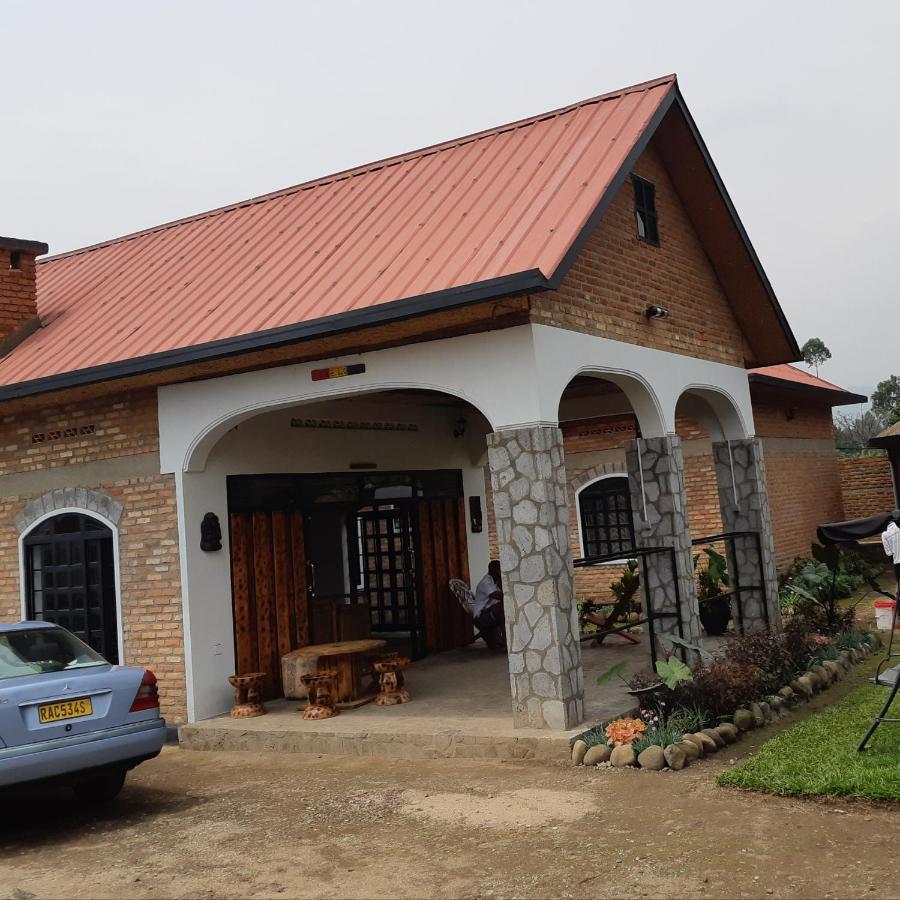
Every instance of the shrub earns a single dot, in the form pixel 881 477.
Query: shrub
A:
pixel 766 651
pixel 722 686
pixel 852 638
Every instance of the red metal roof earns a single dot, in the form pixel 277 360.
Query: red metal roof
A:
pixel 799 378
pixel 494 204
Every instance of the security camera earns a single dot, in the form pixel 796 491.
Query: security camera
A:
pixel 656 312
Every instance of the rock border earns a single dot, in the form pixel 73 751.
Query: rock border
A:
pixel 710 740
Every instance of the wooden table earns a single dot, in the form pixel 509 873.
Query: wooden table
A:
pixel 348 659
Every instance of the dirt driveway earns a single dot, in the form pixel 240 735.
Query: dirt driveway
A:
pixel 193 824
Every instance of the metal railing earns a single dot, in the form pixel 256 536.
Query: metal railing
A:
pixel 737 589
pixel 651 615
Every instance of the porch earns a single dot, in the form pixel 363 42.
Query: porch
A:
pixel 459 708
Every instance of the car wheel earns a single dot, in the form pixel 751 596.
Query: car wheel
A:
pixel 100 788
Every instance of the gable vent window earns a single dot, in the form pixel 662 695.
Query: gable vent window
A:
pixel 645 210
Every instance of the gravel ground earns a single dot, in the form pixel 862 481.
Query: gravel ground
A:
pixel 196 824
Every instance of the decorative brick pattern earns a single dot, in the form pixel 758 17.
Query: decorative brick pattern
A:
pixel 68 498
pixel 659 501
pixel 528 482
pixel 744 499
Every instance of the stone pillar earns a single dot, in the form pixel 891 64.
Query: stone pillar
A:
pixel 659 502
pixel 528 482
pixel 744 500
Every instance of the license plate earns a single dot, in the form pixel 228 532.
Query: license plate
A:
pixel 65 709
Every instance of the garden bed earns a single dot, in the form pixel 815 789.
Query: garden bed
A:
pixel 696 712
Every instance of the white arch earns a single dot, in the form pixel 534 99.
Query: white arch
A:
pixel 716 410
pixel 103 520
pixel 208 435
pixel 638 391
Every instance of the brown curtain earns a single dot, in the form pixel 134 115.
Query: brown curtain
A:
pixel 268 588
pixel 444 555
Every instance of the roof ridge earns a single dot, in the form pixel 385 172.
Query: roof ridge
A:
pixel 368 167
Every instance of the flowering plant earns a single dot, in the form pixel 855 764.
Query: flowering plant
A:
pixel 623 732
pixel 820 640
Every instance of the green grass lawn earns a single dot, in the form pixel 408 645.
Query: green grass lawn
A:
pixel 818 756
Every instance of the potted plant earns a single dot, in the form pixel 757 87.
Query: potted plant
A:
pixel 712 582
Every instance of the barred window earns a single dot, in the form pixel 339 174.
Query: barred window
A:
pixel 604 513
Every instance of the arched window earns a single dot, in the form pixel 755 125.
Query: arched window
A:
pixel 70 579
pixel 604 517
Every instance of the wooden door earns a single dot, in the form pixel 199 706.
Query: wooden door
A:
pixel 443 553
pixel 268 589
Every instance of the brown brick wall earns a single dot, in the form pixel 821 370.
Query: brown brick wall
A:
pixel 617 276
pixel 17 292
pixel 866 485
pixel 126 425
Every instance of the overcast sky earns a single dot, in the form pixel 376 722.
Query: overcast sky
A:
pixel 118 116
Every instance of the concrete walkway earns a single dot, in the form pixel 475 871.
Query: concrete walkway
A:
pixel 461 708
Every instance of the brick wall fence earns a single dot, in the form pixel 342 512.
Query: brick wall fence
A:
pixel 867 485
pixel 109 448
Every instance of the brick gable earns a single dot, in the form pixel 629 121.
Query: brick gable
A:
pixel 616 276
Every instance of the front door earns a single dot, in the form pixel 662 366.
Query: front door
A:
pixel 383 565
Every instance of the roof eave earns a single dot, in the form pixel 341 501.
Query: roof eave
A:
pixel 832 397
pixel 531 281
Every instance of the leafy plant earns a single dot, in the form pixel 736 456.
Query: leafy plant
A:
pixel 612 672
pixel 712 578
pixel 766 651
pixel 722 686
pixel 681 642
pixel 622 732
pixel 660 735
pixel 687 719
pixel 673 672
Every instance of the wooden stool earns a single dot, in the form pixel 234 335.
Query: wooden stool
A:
pixel 247 702
pixel 390 685
pixel 320 686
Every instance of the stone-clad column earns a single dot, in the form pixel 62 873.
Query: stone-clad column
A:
pixel 659 503
pixel 744 500
pixel 528 481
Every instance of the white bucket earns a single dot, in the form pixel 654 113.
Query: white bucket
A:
pixel 884 614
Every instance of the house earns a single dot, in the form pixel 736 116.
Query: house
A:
pixel 276 422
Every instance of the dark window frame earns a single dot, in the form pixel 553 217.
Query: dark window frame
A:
pixel 646 216
pixel 606 518
pixel 70 579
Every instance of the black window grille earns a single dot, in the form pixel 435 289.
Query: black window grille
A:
pixel 70 578
pixel 645 210
pixel 607 524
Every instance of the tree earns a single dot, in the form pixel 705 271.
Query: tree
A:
pixel 853 430
pixel 815 353
pixel 886 399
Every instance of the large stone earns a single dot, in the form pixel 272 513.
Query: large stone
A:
pixel 622 757
pixel 652 758
pixel 579 748
pixel 834 667
pixel 675 757
pixel 815 680
pixel 707 743
pixel 728 732
pixel 691 750
pixel 597 754
pixel 786 693
pixel 743 719
pixel 844 660
pixel 759 717
pixel 804 686
pixel 824 675
pixel 768 714
pixel 693 739
pixel 715 736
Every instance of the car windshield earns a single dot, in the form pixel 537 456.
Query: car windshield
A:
pixel 35 651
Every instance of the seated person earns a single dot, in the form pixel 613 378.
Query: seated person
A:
pixel 487 608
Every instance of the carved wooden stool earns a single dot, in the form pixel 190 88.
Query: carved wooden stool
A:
pixel 320 685
pixel 390 684
pixel 247 702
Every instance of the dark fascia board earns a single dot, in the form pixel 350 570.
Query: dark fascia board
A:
pixel 531 281
pixel 38 248
pixel 748 246
pixel 612 190
pixel 890 442
pixel 832 397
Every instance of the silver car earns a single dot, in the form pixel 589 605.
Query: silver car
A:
pixel 68 714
